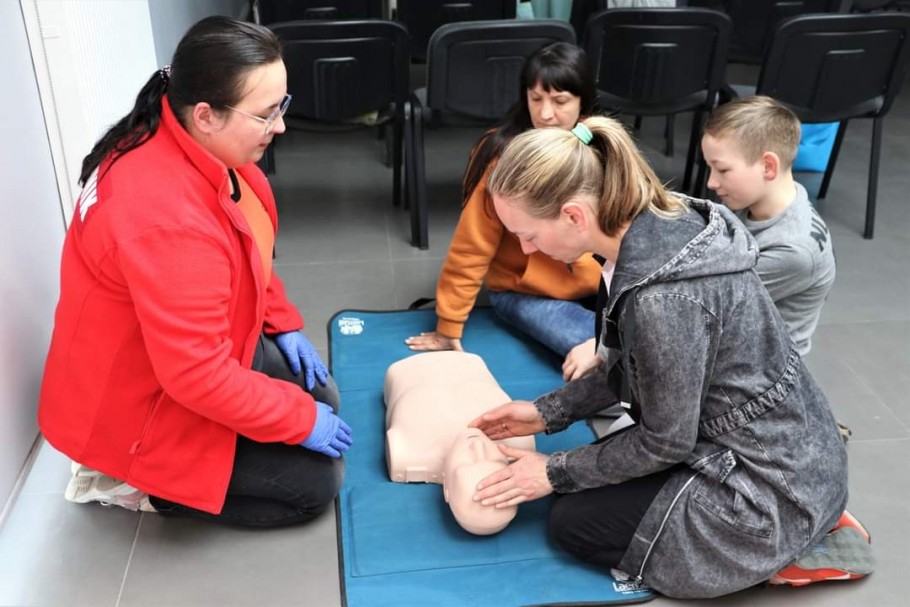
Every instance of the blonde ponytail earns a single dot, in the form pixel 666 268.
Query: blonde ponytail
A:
pixel 544 168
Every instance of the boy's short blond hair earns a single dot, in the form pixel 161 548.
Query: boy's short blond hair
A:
pixel 757 124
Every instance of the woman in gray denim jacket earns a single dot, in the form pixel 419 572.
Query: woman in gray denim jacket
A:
pixel 735 465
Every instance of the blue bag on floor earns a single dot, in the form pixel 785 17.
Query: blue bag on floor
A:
pixel 815 146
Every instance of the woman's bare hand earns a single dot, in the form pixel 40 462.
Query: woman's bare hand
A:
pixel 431 341
pixel 581 360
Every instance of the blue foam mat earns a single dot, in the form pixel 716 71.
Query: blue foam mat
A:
pixel 399 544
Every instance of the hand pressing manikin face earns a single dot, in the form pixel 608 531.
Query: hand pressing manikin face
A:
pixel 472 457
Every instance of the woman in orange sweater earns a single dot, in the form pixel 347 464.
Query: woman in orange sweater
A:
pixel 547 299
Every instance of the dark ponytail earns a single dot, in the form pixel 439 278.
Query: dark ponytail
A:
pixel 559 66
pixel 210 64
pixel 133 129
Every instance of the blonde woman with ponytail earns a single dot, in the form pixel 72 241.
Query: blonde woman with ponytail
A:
pixel 715 487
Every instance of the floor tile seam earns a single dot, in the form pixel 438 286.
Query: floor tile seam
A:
pixel 429 257
pixel 288 264
pixel 43 492
pixel 388 231
pixel 882 401
pixel 870 441
pixel 848 323
pixel 871 389
pixel 129 560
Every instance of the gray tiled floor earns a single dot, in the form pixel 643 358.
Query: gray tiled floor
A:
pixel 343 245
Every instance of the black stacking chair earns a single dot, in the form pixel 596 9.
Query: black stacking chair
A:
pixel 473 71
pixel 865 6
pixel 834 68
pixel 273 11
pixel 423 17
pixel 754 21
pixel 340 71
pixel 582 10
pixel 655 62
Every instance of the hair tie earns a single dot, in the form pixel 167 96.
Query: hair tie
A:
pixel 583 133
pixel 165 73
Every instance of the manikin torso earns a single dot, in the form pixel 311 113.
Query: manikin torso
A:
pixel 430 398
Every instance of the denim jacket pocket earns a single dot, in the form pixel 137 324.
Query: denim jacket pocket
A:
pixel 727 491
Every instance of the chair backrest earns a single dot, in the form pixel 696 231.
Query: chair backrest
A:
pixel 860 6
pixel 423 17
pixel 473 68
pixel 755 20
pixel 657 60
pixel 338 70
pixel 273 11
pixel 582 11
pixel 828 68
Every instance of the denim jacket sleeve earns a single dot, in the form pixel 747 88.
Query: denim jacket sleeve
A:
pixel 670 362
pixel 576 400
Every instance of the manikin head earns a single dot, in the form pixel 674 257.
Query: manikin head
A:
pixel 472 457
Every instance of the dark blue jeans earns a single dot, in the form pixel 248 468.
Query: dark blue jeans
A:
pixel 274 484
pixel 558 324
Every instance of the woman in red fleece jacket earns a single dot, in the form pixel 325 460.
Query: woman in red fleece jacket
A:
pixel 178 374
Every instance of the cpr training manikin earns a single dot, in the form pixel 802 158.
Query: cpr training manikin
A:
pixel 430 398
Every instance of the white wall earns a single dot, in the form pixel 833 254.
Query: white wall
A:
pixel 171 19
pixel 31 234
pixel 91 58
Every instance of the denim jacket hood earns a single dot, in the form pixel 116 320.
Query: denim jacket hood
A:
pixel 724 402
pixel 712 241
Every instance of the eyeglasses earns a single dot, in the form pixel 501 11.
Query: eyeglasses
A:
pixel 269 120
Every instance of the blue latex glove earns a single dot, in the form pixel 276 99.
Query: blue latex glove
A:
pixel 330 434
pixel 296 348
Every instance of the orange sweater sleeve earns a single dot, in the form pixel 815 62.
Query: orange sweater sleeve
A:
pixel 474 244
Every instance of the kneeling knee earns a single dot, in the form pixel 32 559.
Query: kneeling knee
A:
pixel 325 485
pixel 560 524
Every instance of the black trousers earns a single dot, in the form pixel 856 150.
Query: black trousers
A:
pixel 597 525
pixel 274 484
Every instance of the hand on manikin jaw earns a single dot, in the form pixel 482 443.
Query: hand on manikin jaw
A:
pixel 472 457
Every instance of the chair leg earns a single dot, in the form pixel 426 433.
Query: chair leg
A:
pixel 397 136
pixel 669 133
pixel 832 159
pixel 419 223
pixel 694 140
pixel 637 123
pixel 873 176
pixel 386 133
pixel 408 155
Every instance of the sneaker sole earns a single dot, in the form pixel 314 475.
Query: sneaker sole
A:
pixel 84 490
pixel 842 555
pixel 824 575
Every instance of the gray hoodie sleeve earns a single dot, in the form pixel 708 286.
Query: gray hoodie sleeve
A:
pixel 673 344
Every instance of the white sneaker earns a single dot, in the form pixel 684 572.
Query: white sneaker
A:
pixel 89 485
